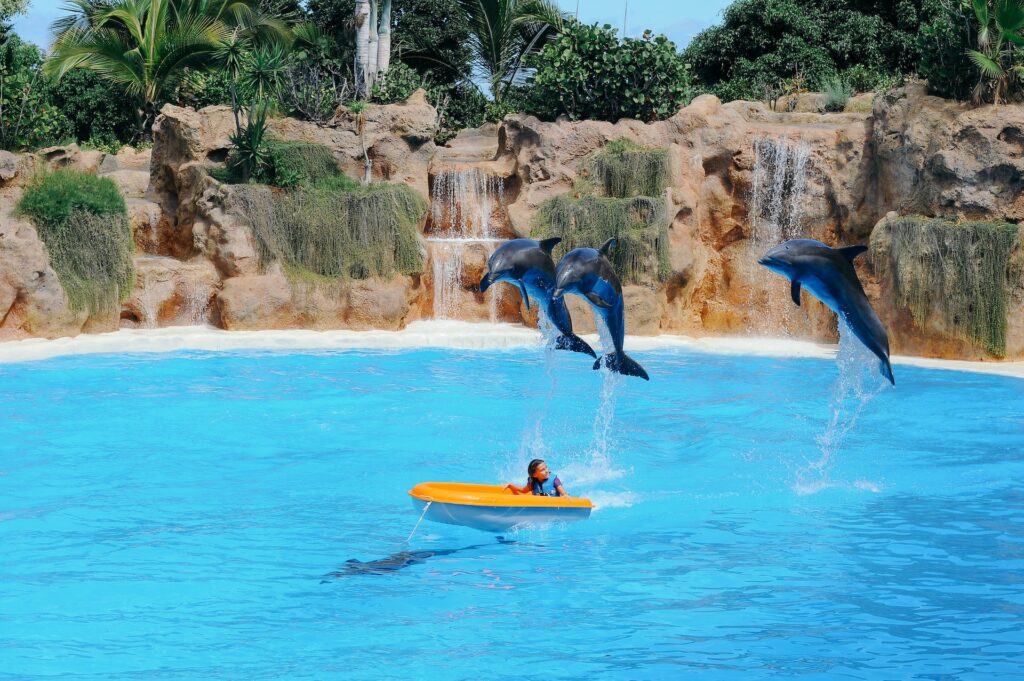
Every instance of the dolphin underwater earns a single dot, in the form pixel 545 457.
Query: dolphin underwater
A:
pixel 528 264
pixel 588 273
pixel 828 274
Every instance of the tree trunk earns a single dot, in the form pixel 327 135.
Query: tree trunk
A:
pixel 362 20
pixel 384 42
pixel 372 48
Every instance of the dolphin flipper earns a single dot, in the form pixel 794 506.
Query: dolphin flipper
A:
pixel 485 282
pixel 851 252
pixel 598 300
pixel 794 291
pixel 886 369
pixel 621 363
pixel 526 296
pixel 548 245
pixel 571 341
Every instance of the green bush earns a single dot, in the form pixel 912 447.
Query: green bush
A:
pixel 624 169
pixel 943 43
pixel 334 231
pixel 639 224
pixel 588 73
pixel 299 163
pixel 28 117
pixel 958 272
pixel 83 222
pixel 398 84
pixel 761 43
pixel 837 94
pixel 100 115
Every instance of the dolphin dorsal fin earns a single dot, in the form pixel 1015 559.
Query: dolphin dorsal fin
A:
pixel 851 252
pixel 607 246
pixel 548 245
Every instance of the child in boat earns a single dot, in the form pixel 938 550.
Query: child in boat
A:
pixel 539 475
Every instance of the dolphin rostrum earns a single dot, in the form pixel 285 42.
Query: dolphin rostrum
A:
pixel 588 273
pixel 527 264
pixel 828 274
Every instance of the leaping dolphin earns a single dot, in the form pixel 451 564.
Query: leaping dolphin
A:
pixel 828 274
pixel 588 273
pixel 528 264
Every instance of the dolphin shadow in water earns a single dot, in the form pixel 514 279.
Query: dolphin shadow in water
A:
pixel 397 561
pixel 528 264
pixel 588 273
pixel 828 273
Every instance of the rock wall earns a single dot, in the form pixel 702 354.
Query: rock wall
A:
pixel 743 177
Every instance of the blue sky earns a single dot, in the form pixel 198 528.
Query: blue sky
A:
pixel 680 20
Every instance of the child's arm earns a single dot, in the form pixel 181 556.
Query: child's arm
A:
pixel 525 489
pixel 560 489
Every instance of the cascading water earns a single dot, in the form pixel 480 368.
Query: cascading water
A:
pixel 197 302
pixel 858 383
pixel 777 199
pixel 464 205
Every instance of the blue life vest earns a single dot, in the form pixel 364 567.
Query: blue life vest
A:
pixel 537 487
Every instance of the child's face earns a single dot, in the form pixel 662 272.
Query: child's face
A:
pixel 541 474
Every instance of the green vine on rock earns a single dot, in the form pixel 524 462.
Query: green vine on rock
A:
pixel 959 274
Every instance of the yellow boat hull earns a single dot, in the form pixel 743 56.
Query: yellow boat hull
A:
pixel 493 508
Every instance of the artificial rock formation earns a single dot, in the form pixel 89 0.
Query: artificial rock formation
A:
pixel 743 178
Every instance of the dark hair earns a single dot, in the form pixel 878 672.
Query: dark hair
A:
pixel 530 470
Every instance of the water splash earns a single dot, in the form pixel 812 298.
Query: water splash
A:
pixel 858 383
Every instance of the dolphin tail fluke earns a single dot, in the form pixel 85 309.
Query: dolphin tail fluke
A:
pixel 571 341
pixel 621 363
pixel 886 368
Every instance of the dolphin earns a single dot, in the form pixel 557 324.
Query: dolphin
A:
pixel 588 273
pixel 398 561
pixel 527 264
pixel 828 274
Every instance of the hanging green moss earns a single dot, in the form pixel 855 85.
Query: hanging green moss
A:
pixel 639 224
pixel 83 222
pixel 960 271
pixel 300 163
pixel 624 169
pixel 334 232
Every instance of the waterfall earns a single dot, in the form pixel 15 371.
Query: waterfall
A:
pixel 464 205
pixel 148 302
pixel 197 302
pixel 777 198
pixel 777 195
pixel 464 201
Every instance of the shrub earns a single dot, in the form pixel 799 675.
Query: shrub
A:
pixel 837 94
pixel 337 231
pixel 587 72
pixel 959 272
pixel 98 114
pixel 294 163
pixel 639 224
pixel 944 62
pixel 83 222
pixel 398 84
pixel 250 156
pixel 766 41
pixel 624 169
pixel 28 117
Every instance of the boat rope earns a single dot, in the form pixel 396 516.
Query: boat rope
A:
pixel 418 522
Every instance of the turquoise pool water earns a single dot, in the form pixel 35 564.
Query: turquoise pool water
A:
pixel 191 515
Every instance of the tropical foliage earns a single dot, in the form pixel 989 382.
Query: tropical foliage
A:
pixel 761 43
pixel 1000 39
pixel 587 72
pixel 148 47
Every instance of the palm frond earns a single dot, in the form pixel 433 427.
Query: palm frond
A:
pixel 1009 15
pixel 987 65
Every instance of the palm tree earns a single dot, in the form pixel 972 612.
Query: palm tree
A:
pixel 503 32
pixel 999 37
pixel 148 46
